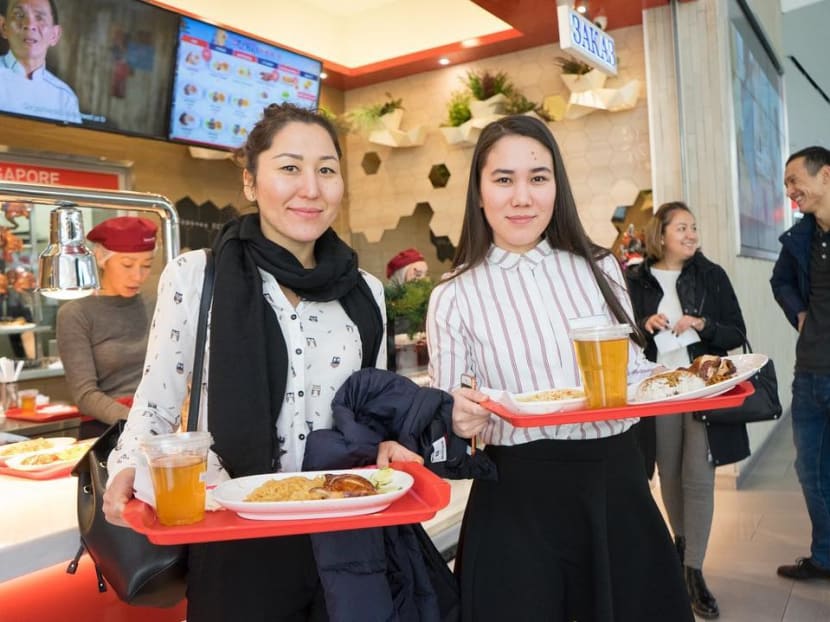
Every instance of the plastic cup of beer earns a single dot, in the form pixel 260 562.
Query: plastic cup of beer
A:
pixel 177 468
pixel 602 357
pixel 28 399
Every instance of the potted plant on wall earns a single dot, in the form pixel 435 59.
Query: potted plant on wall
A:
pixel 579 76
pixel 386 114
pixel 489 92
pixel 517 103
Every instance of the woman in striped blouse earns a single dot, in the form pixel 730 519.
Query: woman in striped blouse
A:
pixel 570 530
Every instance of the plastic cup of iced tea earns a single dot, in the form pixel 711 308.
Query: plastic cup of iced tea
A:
pixel 28 399
pixel 602 357
pixel 177 468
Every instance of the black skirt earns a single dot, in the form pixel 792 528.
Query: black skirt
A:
pixel 569 532
pixel 260 580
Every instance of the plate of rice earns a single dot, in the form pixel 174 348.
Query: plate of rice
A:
pixel 540 402
pixel 256 496
pixel 680 384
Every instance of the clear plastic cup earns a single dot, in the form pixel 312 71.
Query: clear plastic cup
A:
pixel 177 467
pixel 28 399
pixel 602 357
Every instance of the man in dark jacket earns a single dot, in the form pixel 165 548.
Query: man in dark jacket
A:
pixel 801 285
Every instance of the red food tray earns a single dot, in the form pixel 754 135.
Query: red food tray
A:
pixel 67 412
pixel 46 473
pixel 733 397
pixel 428 494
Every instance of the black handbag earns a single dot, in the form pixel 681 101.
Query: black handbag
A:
pixel 763 405
pixel 140 572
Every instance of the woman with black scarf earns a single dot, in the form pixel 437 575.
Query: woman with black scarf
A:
pixel 292 318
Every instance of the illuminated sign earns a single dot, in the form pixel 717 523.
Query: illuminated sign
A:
pixel 587 41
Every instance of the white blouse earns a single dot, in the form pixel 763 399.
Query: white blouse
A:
pixel 323 346
pixel 507 322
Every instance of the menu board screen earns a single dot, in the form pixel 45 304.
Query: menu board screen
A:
pixel 224 80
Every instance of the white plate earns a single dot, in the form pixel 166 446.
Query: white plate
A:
pixel 745 364
pixel 16 328
pixel 16 462
pixel 535 408
pixel 54 443
pixel 231 494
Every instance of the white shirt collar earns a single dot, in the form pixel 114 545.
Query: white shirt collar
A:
pixel 507 260
pixel 9 61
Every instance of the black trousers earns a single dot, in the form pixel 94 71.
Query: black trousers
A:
pixel 569 532
pixel 262 580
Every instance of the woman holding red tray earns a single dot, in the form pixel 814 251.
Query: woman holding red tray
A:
pixel 677 291
pixel 292 318
pixel 570 530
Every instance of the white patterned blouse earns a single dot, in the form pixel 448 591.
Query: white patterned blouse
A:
pixel 507 322
pixel 327 340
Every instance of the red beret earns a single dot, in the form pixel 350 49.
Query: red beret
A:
pixel 125 234
pixel 403 259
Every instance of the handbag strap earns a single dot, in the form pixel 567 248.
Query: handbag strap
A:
pixel 746 347
pixel 201 335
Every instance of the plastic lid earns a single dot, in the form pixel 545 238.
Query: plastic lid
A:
pixel 178 442
pixel 601 333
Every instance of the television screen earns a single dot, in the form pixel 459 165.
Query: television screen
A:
pixel 103 64
pixel 223 81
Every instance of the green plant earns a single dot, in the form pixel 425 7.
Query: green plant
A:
pixel 519 104
pixel 458 108
pixel 366 117
pixel 484 85
pixel 571 65
pixel 408 301
pixel 338 121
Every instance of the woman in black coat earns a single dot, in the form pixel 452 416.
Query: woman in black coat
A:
pixel 677 289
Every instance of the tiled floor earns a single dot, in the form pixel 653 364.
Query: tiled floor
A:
pixel 756 529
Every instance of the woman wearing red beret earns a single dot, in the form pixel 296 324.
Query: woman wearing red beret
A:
pixel 102 339
pixel 407 265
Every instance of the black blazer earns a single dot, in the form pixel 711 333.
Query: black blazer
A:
pixel 704 291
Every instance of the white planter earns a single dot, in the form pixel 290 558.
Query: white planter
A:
pixel 488 107
pixel 392 120
pixel 397 138
pixel 577 83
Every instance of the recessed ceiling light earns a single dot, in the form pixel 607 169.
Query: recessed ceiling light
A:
pixel 323 75
pixel 581 9
pixel 470 43
pixel 443 61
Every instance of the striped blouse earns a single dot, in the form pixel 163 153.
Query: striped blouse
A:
pixel 507 321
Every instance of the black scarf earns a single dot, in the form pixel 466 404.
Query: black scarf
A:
pixel 248 358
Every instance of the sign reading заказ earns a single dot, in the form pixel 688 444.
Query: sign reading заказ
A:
pixel 586 40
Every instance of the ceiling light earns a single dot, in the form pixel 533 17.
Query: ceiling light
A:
pixel 582 9
pixel 444 61
pixel 323 75
pixel 470 43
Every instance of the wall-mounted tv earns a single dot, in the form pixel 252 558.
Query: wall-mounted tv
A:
pixel 108 63
pixel 223 80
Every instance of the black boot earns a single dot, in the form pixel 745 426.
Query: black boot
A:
pixel 680 545
pixel 703 603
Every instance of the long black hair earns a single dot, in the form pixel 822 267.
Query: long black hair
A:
pixel 564 231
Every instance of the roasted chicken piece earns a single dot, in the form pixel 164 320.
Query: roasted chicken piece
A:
pixel 712 369
pixel 344 485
